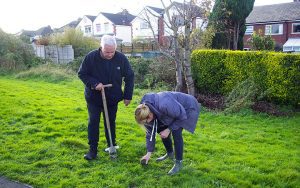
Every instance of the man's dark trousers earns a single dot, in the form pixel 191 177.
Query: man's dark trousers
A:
pixel 94 121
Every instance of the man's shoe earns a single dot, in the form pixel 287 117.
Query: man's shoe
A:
pixel 107 149
pixel 177 166
pixel 166 156
pixel 90 155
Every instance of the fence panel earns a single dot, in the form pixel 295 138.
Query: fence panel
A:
pixel 57 54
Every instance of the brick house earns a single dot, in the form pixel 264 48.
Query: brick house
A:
pixel 281 21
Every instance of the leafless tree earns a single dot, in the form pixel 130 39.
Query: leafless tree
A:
pixel 179 19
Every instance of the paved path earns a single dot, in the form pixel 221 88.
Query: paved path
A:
pixel 6 183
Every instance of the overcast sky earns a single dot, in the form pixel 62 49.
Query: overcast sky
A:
pixel 34 14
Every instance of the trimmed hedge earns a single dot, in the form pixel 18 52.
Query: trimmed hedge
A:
pixel 209 70
pixel 276 74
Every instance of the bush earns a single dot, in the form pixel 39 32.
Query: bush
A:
pixel 208 70
pixel 75 64
pixel 276 75
pixel 243 95
pixel 152 73
pixel 261 42
pixel 283 79
pixel 241 65
pixel 81 44
pixel 15 54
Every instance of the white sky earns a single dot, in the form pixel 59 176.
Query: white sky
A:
pixel 34 14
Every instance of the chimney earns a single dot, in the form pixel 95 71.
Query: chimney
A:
pixel 125 12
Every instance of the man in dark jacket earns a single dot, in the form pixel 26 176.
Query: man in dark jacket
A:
pixel 164 113
pixel 100 67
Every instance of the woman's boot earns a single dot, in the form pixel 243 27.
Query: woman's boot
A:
pixel 177 166
pixel 166 156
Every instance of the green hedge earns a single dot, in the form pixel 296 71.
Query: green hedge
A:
pixel 276 74
pixel 209 70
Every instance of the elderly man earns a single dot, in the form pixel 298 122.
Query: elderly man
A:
pixel 100 67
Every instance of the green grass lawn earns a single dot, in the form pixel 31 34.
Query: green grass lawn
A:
pixel 43 137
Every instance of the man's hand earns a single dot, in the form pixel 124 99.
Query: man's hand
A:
pixel 165 133
pixel 126 102
pixel 99 87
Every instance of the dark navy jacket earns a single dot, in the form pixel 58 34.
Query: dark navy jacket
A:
pixel 172 109
pixel 94 69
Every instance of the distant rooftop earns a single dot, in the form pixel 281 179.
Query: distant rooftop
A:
pixel 121 18
pixel 275 13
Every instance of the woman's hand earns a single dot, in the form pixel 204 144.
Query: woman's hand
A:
pixel 165 133
pixel 145 158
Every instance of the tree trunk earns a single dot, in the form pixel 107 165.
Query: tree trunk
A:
pixel 178 64
pixel 187 61
pixel 236 31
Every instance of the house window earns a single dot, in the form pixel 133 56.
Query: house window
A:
pixel 249 30
pixel 178 20
pixel 88 29
pixel 274 29
pixel 98 27
pixel 296 27
pixel 106 27
pixel 144 25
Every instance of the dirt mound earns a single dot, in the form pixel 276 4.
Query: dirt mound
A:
pixel 269 108
pixel 214 102
pixel 217 102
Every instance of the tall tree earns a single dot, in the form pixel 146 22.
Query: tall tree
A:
pixel 229 18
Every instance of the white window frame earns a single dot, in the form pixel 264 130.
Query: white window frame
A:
pixel 88 29
pixel 269 29
pixel 293 28
pixel 98 27
pixel 249 30
pixel 144 25
pixel 106 27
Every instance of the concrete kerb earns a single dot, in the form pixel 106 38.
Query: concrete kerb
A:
pixel 6 183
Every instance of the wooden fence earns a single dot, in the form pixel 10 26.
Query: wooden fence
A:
pixel 137 48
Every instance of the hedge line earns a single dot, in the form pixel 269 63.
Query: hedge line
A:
pixel 276 74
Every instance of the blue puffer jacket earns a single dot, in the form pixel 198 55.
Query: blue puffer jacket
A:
pixel 172 109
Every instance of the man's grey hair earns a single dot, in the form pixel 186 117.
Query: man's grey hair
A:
pixel 108 40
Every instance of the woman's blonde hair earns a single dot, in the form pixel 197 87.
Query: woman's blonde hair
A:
pixel 142 112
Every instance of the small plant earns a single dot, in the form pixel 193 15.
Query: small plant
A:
pixel 242 96
pixel 260 42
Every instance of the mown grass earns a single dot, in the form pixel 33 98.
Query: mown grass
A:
pixel 43 137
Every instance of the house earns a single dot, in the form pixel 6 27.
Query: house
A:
pixel 86 25
pixel 72 24
pixel 281 21
pixel 177 10
pixel 34 35
pixel 141 25
pixel 160 22
pixel 118 24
